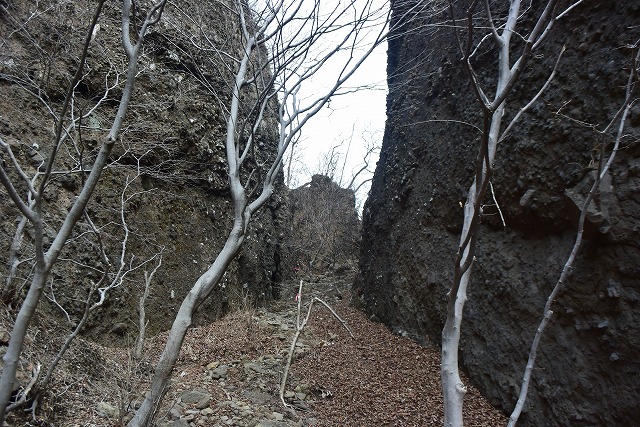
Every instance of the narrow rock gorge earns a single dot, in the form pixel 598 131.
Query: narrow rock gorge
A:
pixel 587 367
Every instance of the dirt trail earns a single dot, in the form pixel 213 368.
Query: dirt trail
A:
pixel 229 373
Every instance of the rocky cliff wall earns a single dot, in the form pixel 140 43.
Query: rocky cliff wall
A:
pixel 588 364
pixel 324 228
pixel 170 158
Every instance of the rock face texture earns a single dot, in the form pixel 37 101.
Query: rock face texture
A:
pixel 588 363
pixel 169 165
pixel 323 234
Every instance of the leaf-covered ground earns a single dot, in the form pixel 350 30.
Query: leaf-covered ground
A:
pixel 229 374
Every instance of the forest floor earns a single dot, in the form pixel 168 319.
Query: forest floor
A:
pixel 229 374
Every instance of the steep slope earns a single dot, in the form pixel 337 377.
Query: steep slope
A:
pixel 588 364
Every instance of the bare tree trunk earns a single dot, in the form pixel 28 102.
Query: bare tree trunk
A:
pixel 299 328
pixel 453 388
pixel 8 291
pixel 198 293
pixel 142 323
pixel 600 173
pixel 280 59
pixel 18 333
pixel 43 264
pixel 493 110
pixel 205 283
pixel 45 261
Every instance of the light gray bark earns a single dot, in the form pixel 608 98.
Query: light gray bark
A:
pixel 493 111
pixel 14 260
pixel 299 328
pixel 205 283
pixel 198 293
pixel 142 323
pixel 46 260
pixel 602 170
pixel 288 61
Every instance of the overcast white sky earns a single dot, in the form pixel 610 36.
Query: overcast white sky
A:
pixel 361 114
pixel 363 111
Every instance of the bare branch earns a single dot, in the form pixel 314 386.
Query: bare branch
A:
pixel 44 261
pixel 299 328
pixel 24 393
pixel 142 325
pixel 533 100
pixel 547 312
pixel 514 72
pixel 282 40
pixel 67 100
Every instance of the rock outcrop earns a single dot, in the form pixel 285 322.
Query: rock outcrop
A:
pixel 323 228
pixel 587 367
pixel 169 164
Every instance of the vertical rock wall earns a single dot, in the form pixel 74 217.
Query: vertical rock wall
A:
pixel 589 361
pixel 171 155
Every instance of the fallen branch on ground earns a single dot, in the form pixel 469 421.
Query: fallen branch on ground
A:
pixel 299 327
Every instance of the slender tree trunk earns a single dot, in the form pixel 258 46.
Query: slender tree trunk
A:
pixel 142 322
pixel 8 291
pixel 453 388
pixel 198 293
pixel 282 59
pixel 603 169
pixel 45 261
pixel 28 307
pixel 493 111
pixel 18 334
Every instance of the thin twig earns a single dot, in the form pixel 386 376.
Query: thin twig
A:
pixel 535 98
pixel 493 195
pixel 299 327
pixel 25 392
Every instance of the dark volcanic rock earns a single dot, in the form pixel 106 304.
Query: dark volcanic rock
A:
pixel 587 367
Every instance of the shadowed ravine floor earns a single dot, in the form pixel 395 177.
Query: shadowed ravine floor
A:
pixel 229 372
